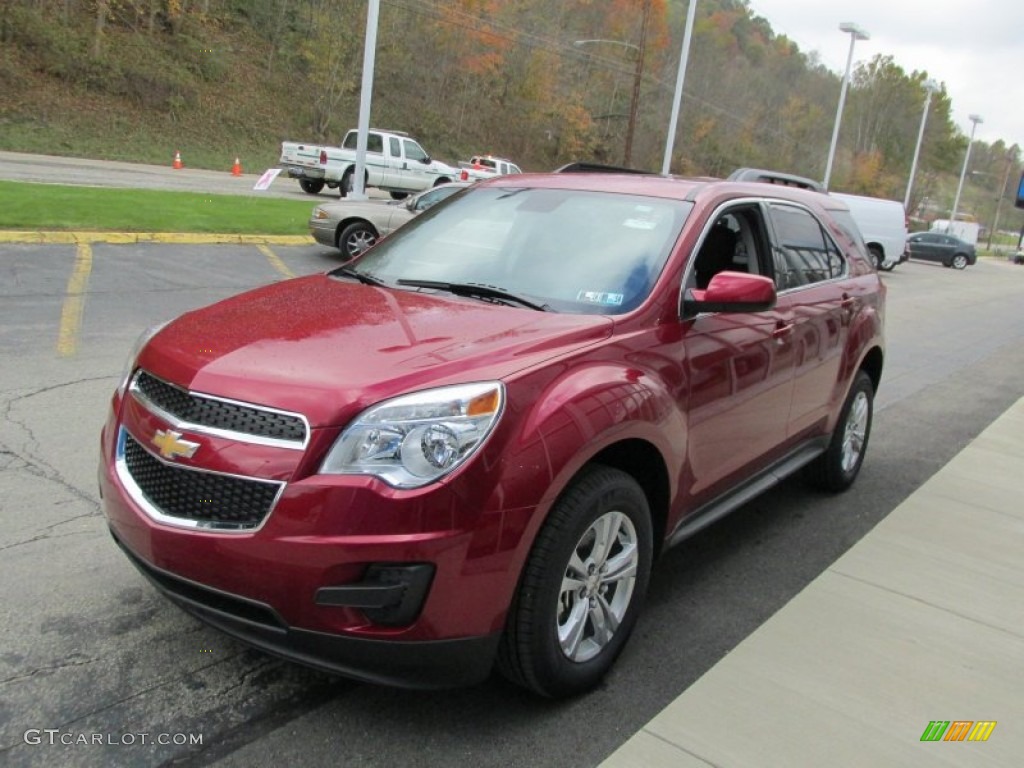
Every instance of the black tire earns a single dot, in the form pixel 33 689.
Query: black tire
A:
pixel 837 468
pixel 346 184
pixel 533 653
pixel 399 195
pixel 441 181
pixel 356 238
pixel 959 261
pixel 311 186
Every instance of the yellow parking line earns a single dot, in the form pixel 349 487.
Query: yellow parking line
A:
pixel 74 302
pixel 275 261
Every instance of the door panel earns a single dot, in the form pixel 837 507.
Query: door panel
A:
pixel 740 370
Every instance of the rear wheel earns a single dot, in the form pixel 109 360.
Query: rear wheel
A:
pixel 837 467
pixel 356 238
pixel 582 586
pixel 959 261
pixel 311 186
pixel 346 184
pixel 876 257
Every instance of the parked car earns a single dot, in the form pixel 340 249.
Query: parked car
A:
pixel 945 249
pixel 353 226
pixel 394 162
pixel 485 167
pixel 465 448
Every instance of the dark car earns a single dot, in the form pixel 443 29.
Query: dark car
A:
pixel 466 448
pixel 947 250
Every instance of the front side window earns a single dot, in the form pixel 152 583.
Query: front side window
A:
pixel 804 253
pixel 573 251
pixel 413 151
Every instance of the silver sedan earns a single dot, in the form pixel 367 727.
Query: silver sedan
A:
pixel 353 226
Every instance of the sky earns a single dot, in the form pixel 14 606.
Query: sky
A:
pixel 974 47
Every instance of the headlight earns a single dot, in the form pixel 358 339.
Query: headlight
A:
pixel 319 213
pixel 415 439
pixel 129 366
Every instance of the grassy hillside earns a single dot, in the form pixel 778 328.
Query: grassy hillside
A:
pixel 144 96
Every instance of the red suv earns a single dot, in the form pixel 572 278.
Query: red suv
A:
pixel 466 447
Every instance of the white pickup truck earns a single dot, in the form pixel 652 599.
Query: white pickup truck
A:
pixel 394 163
pixel 485 167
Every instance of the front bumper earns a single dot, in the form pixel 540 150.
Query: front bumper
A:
pixel 423 664
pixel 323 231
pixel 344 574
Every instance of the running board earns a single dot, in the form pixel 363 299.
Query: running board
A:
pixel 748 490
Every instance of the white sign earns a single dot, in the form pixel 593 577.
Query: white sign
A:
pixel 266 179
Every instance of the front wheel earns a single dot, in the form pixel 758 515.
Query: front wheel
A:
pixel 356 238
pixel 959 261
pixel 837 468
pixel 398 195
pixel 582 586
pixel 311 186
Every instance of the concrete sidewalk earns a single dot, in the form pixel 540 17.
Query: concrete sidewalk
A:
pixel 922 620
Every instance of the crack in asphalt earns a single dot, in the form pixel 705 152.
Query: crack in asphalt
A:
pixel 48 670
pixel 28 450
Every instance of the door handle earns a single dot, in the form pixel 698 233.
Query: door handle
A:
pixel 782 331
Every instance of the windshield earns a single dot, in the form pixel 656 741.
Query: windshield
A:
pixel 572 251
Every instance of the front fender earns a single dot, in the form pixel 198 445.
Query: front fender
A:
pixel 574 418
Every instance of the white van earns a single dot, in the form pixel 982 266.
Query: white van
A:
pixel 883 223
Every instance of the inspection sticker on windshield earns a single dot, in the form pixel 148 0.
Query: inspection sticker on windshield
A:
pixel 644 218
pixel 599 297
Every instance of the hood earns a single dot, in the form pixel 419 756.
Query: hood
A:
pixel 328 347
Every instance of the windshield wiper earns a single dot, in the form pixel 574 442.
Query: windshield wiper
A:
pixel 477 291
pixel 362 277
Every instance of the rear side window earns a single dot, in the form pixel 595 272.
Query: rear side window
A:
pixel 374 141
pixel 804 253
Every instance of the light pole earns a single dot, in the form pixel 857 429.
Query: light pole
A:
pixel 856 33
pixel 677 98
pixel 975 119
pixel 638 72
pixel 999 198
pixel 930 87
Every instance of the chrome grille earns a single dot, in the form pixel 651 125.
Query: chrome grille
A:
pixel 195 497
pixel 217 414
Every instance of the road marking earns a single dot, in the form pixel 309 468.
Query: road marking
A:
pixel 74 302
pixel 275 261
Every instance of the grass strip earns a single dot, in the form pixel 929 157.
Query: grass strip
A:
pixel 30 206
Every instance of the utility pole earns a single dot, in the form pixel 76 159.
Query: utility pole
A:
pixel 634 103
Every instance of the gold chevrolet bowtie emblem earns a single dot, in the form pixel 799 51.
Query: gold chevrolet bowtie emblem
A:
pixel 172 446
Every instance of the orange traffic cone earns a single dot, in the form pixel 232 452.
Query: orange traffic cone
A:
pixel 236 169
pixel 177 161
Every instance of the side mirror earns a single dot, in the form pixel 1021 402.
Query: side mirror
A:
pixel 731 292
pixel 426 160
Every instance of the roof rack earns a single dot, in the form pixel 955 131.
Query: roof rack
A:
pixel 776 177
pixel 585 167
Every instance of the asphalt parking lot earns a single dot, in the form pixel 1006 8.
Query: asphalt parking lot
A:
pixel 88 648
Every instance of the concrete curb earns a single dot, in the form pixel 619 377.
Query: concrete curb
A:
pixel 181 238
